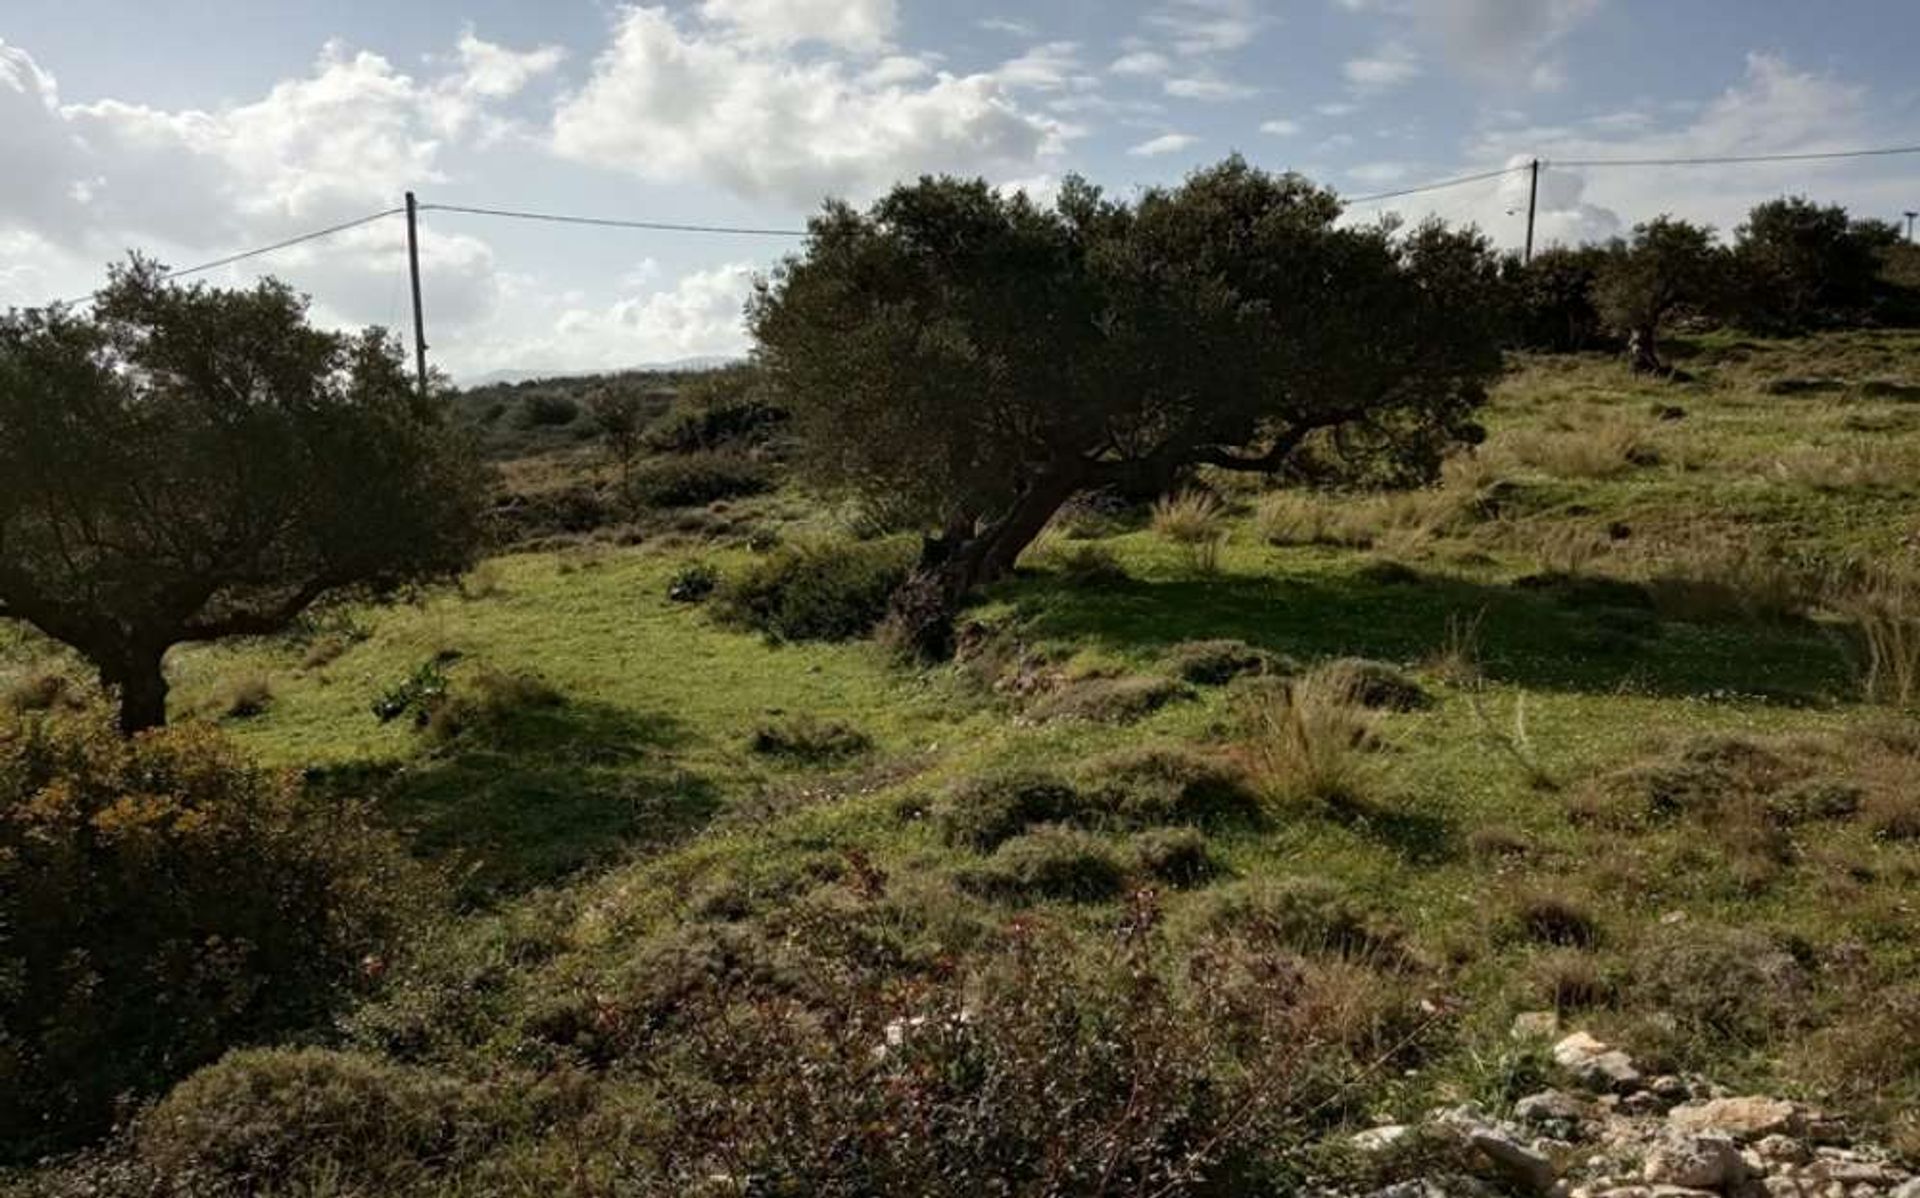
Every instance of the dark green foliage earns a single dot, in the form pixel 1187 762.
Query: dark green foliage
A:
pixel 186 464
pixel 694 479
pixel 545 410
pixel 808 739
pixel 1798 265
pixel 1051 862
pixel 976 361
pixel 161 900
pixel 1215 663
pixel 1377 685
pixel 1554 299
pixel 983 811
pixel 1167 785
pixel 1175 856
pixel 818 590
pixel 1670 266
pixel 620 413
pixel 724 409
pixel 1102 700
pixel 691 584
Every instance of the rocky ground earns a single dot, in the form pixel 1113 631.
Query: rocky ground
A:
pixel 1613 1133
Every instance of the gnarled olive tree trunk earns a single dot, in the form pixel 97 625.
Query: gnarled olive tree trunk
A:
pixel 137 674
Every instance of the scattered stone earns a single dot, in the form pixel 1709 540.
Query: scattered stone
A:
pixel 1909 1189
pixel 1551 1108
pixel 1379 1139
pixel 1782 1150
pixel 1702 1162
pixel 1742 1118
pixel 1519 1165
pixel 1596 1063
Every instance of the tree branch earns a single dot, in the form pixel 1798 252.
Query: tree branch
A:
pixel 263 622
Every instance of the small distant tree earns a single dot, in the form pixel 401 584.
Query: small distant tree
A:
pixel 620 413
pixel 973 360
pixel 1553 298
pixel 1668 266
pixel 185 463
pixel 1802 265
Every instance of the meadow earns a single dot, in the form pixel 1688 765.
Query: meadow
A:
pixel 1616 721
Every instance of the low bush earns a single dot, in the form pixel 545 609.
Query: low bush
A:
pixel 1103 700
pixel 1543 917
pixel 1158 785
pixel 1718 986
pixel 817 590
pixel 1375 685
pixel 1175 856
pixel 692 584
pixel 1215 663
pixel 1304 915
pixel 809 739
pixel 543 409
pixel 489 706
pixel 984 811
pixel 161 899
pixel 727 408
pixel 268 1119
pixel 695 479
pixel 1051 862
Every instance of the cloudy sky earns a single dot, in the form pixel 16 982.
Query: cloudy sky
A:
pixel 193 129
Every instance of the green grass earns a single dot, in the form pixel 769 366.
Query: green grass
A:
pixel 585 828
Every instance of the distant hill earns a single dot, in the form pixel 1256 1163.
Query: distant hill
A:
pixel 678 366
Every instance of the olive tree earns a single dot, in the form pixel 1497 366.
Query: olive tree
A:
pixel 1669 265
pixel 1802 264
pixel 185 463
pixel 974 359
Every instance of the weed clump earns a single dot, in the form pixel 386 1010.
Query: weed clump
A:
pixel 1051 862
pixel 984 811
pixel 692 583
pixel 1374 685
pixel 1102 700
pixel 1302 914
pixel 1216 663
pixel 827 590
pixel 1175 856
pixel 1161 785
pixel 1543 917
pixel 1309 741
pixel 806 738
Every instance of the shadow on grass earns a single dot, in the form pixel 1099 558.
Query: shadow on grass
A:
pixel 537 794
pixel 1527 637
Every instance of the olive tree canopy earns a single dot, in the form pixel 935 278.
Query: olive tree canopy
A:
pixel 186 463
pixel 972 359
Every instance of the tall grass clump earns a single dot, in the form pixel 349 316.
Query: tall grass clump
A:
pixel 1309 740
pixel 829 589
pixel 1884 608
pixel 1196 521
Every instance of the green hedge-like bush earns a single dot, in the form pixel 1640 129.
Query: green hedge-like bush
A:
pixel 160 900
pixel 695 479
pixel 824 590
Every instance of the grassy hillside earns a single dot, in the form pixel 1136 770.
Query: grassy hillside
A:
pixel 1631 771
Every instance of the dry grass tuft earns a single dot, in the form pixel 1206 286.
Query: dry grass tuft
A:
pixel 1606 448
pixel 1310 741
pixel 1197 522
pixel 1884 607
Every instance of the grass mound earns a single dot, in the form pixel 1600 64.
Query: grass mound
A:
pixel 1167 784
pixel 826 590
pixel 1216 663
pixel 1120 700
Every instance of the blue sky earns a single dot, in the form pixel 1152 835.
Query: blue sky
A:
pixel 193 129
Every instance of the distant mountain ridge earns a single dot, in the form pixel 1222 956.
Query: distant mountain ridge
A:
pixel 678 365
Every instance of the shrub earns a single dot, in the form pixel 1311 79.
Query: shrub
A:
pixel 1214 663
pixel 1166 785
pixel 243 697
pixel 1109 700
pixel 1051 862
pixel 694 479
pixel 490 706
pixel 693 583
pixel 1091 565
pixel 1303 915
pixel 1176 856
pixel 984 811
pixel 543 409
pixel 267 1118
pixel 819 590
pixel 162 900
pixel 1374 685
pixel 44 690
pixel 416 694
pixel 1721 985
pixel 1546 918
pixel 727 408
pixel 806 738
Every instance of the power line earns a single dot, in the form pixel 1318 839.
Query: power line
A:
pixel 243 255
pixel 612 223
pixel 1730 159
pixel 1436 186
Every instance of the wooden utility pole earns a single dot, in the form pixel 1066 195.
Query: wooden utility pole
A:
pixel 419 318
pixel 1533 202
